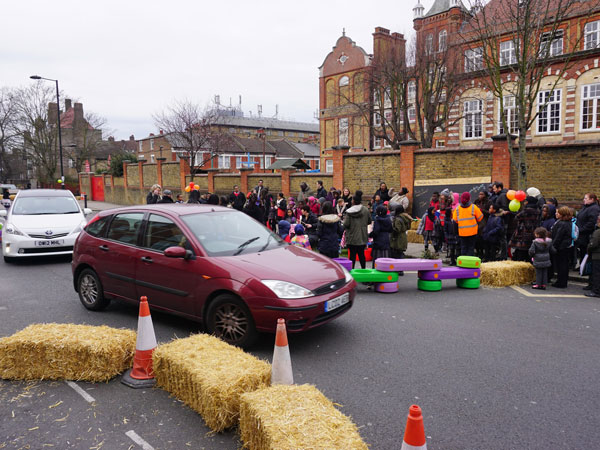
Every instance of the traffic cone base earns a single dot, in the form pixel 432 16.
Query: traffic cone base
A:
pixel 281 367
pixel 414 434
pixel 142 373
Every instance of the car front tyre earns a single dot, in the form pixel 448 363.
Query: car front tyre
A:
pixel 229 318
pixel 90 291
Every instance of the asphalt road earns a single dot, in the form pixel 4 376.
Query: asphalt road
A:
pixel 491 369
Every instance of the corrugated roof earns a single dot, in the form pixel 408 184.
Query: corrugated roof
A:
pixel 271 124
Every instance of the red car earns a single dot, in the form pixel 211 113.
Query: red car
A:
pixel 211 264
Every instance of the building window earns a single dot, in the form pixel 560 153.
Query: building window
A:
pixel 280 133
pixel 140 148
pixel 589 107
pixel 412 114
pixel 238 162
pixel 317 164
pixel 507 53
pixel 412 91
pixel 152 159
pixel 440 144
pixel 71 163
pixel 549 111
pixel 429 44
pixel 473 119
pixel 343 131
pixel 224 162
pixel 442 38
pixel 268 161
pixel 377 119
pixel 388 115
pixel 551 47
pixel 474 59
pixel 592 35
pixel 378 142
pixel 344 81
pixel 329 166
pixel 510 116
pixel 151 144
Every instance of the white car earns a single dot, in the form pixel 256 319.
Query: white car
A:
pixel 42 222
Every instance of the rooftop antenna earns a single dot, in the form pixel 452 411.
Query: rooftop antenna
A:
pixel 259 110
pixel 276 111
pixel 240 101
pixel 344 31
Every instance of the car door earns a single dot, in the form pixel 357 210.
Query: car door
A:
pixel 117 255
pixel 169 283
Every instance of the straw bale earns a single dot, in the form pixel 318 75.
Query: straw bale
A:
pixel 413 237
pixel 294 417
pixel 506 273
pixel 415 224
pixel 56 351
pixel 209 375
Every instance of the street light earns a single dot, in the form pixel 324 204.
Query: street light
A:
pixel 60 155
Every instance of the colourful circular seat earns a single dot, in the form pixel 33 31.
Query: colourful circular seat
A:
pixel 388 288
pixel 424 285
pixel 468 283
pixel 373 276
pixel 468 262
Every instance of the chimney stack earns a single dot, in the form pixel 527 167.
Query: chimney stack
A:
pixel 78 116
pixel 132 138
pixel 67 104
pixel 52 119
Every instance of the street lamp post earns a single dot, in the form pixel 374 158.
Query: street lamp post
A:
pixel 60 154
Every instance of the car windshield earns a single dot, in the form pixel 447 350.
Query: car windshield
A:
pixel 33 206
pixel 229 233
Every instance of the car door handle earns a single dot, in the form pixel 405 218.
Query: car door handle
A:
pixel 146 259
pixel 104 248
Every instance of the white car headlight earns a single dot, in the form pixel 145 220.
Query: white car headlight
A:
pixel 79 228
pixel 283 289
pixel 11 229
pixel 347 275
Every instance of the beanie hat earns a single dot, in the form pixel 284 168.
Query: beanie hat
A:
pixel 299 229
pixel 531 200
pixel 533 192
pixel 284 228
pixel 465 197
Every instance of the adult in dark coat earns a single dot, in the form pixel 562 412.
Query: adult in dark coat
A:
pixel 154 195
pixel 526 223
pixel 594 254
pixel 562 242
pixel 382 228
pixel 493 234
pixel 237 198
pixel 310 222
pixel 483 203
pixel 253 209
pixel 329 231
pixel 167 197
pixel 355 223
pixel 383 192
pixel 321 191
pixel 586 222
pixel 194 197
pixel 548 216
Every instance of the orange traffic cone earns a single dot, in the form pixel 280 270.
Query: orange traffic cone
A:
pixel 281 368
pixel 414 435
pixel 142 374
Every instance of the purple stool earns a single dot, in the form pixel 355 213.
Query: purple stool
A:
pixel 388 288
pixel 345 263
pixel 399 265
pixel 449 273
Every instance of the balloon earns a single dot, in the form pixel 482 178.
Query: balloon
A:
pixel 59 181
pixel 191 185
pixel 187 189
pixel 520 196
pixel 514 205
pixel 196 187
pixel 510 195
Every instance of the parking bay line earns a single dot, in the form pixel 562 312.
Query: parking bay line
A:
pixel 531 294
pixel 87 397
pixel 138 440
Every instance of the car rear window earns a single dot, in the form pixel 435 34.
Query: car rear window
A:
pixel 98 227
pixel 124 228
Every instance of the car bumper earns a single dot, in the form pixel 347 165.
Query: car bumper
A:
pixel 15 246
pixel 303 314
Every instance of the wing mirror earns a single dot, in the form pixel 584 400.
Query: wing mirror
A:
pixel 178 252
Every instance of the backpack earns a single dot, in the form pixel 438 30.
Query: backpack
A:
pixel 574 232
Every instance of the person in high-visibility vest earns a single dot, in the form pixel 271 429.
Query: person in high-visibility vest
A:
pixel 468 216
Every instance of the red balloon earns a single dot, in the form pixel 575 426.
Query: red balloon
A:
pixel 520 196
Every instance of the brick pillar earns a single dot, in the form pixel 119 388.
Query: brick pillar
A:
pixel 244 171
pixel 407 166
pixel 141 173
pixel 338 153
pixel 501 159
pixel 159 162
pixel 184 170
pixel 211 179
pixel 285 181
pixel 125 162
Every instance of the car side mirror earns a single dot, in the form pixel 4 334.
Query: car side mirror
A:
pixel 176 252
pixel 86 211
pixel 3 213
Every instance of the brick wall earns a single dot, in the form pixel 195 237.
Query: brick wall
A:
pixel 310 179
pixel 133 175
pixel 224 183
pixel 150 174
pixel 433 164
pixel 170 174
pixel 272 181
pixel 366 171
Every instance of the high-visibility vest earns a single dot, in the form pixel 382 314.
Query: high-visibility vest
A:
pixel 467 219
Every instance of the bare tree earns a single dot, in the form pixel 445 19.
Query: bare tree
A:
pixel 9 132
pixel 192 128
pixel 519 43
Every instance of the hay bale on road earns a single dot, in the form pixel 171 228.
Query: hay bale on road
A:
pixel 415 224
pixel 506 273
pixel 294 417
pixel 414 238
pixel 209 375
pixel 66 352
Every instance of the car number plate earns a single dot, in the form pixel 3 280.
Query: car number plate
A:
pixel 50 243
pixel 330 305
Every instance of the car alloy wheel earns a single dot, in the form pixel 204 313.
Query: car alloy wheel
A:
pixel 230 319
pixel 90 291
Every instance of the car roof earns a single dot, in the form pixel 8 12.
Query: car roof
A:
pixel 45 193
pixel 180 209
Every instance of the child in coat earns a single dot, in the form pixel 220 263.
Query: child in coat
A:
pixel 428 229
pixel 300 239
pixel 451 235
pixel 540 250
pixel 381 234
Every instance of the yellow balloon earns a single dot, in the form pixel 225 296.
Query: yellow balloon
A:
pixel 59 181
pixel 187 189
pixel 196 187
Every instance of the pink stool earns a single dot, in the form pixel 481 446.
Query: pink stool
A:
pixel 345 263
pixel 387 288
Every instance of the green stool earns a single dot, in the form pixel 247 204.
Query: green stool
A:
pixel 468 283
pixel 468 262
pixel 432 286
pixel 373 276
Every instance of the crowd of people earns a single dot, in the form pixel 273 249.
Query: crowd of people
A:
pixel 553 238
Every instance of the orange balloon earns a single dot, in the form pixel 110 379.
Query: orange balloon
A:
pixel 196 187
pixel 187 189
pixel 510 195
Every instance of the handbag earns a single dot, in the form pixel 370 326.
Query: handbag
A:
pixel 585 268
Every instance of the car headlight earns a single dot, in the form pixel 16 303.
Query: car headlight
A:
pixel 11 229
pixel 283 289
pixel 347 275
pixel 79 228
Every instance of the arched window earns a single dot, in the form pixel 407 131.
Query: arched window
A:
pixel 344 81
pixel 442 38
pixel 429 44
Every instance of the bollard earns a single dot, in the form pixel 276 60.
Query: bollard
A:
pixel 84 199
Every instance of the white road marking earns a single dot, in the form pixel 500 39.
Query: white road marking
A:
pixel 138 440
pixel 87 397
pixel 533 294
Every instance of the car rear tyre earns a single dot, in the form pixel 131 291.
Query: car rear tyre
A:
pixel 229 318
pixel 90 291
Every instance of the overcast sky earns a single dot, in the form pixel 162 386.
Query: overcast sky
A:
pixel 125 60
